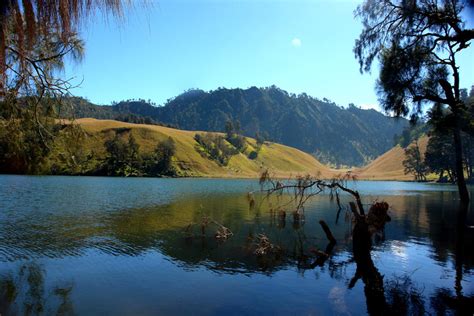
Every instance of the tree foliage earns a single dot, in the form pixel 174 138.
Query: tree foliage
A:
pixel 411 133
pixel 414 163
pixel 122 156
pixel 69 155
pixel 215 147
pixel 439 157
pixel 440 153
pixel 35 35
pixel 417 43
pixel 22 148
pixel 35 38
pixel 160 162
pixel 253 155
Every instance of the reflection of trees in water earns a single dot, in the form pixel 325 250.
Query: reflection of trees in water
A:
pixel 404 298
pixel 25 293
pixel 65 307
pixel 127 232
pixel 397 296
pixel 394 296
pixel 433 216
pixel 134 231
pixel 444 301
pixel 238 252
pixel 450 235
pixel 445 225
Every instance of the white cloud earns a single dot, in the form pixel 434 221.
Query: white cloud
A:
pixel 296 42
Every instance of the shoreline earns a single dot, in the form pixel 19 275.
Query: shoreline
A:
pixel 210 177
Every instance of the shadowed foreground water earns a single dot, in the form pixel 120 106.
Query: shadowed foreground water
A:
pixel 85 245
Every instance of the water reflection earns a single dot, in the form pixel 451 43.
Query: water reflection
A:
pixel 24 292
pixel 53 260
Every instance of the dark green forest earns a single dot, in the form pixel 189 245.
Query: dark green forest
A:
pixel 340 136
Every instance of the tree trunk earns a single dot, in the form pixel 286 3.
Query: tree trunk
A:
pixel 460 249
pixel 469 158
pixel 440 179
pixel 451 176
pixel 361 240
pixel 469 170
pixel 366 270
pixel 461 181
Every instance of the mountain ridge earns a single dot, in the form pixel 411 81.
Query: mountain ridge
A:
pixel 334 135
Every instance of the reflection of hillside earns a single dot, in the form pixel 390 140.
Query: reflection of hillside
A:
pixel 165 228
pixel 428 219
pixel 421 236
pixel 132 232
pixel 126 232
pixel 236 254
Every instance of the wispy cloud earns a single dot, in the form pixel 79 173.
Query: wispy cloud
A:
pixel 296 42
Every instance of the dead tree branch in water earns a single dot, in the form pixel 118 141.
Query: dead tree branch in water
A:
pixel 222 233
pixel 264 246
pixel 365 226
pixel 305 187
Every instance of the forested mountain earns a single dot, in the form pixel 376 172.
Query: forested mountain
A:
pixel 342 136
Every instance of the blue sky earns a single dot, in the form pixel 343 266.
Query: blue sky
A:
pixel 159 51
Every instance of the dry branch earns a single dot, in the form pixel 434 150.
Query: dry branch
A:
pixel 264 246
pixel 327 231
pixel 222 233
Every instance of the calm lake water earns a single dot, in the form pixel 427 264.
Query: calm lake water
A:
pixel 119 246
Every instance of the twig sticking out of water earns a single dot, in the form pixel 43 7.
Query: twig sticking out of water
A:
pixel 222 233
pixel 264 246
pixel 251 200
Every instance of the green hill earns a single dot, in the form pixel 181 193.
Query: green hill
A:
pixel 340 136
pixel 281 160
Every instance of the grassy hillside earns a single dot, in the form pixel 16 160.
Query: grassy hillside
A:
pixel 282 160
pixel 389 166
pixel 339 136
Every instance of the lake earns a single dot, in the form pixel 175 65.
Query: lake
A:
pixel 128 246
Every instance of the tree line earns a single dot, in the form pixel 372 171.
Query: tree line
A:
pixel 440 155
pixel 22 152
pixel 220 148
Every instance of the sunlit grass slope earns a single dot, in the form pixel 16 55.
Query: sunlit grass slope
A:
pixel 389 166
pixel 282 161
